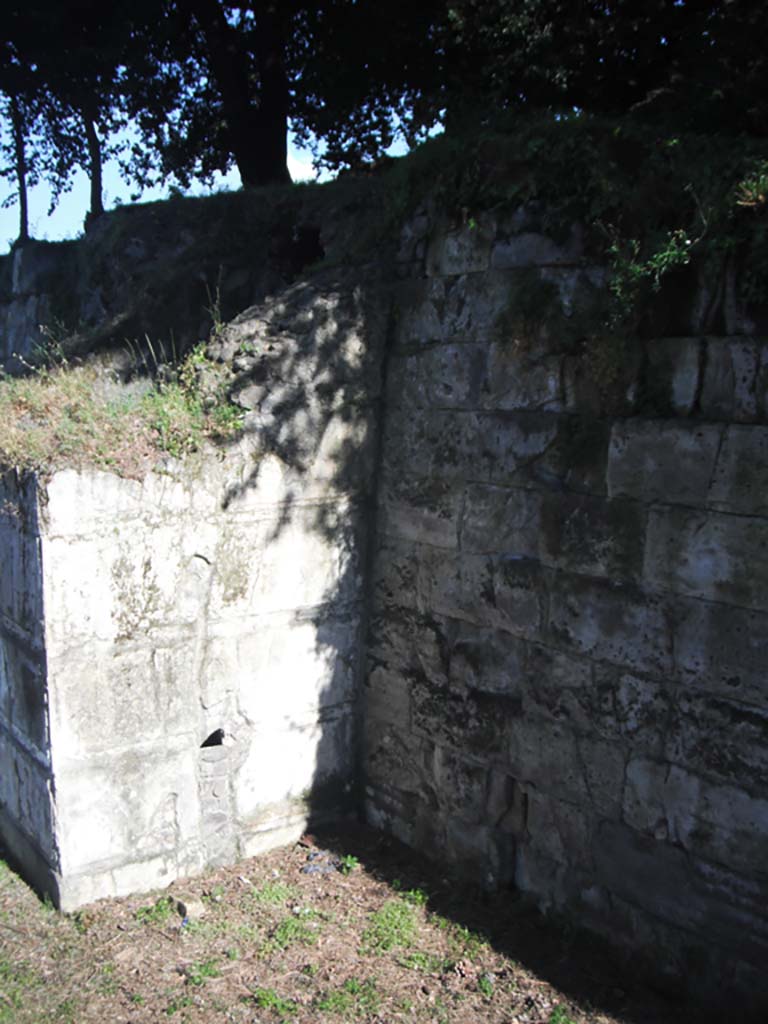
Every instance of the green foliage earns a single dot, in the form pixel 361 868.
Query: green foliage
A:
pixel 16 979
pixel 268 999
pixel 392 925
pixel 159 914
pixel 698 199
pixel 303 930
pixel 348 863
pixel 358 998
pixel 63 414
pixel 560 1016
pixel 430 963
pixel 198 973
pixel 485 985
pixel 273 893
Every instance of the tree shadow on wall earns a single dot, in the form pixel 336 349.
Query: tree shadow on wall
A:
pixel 307 366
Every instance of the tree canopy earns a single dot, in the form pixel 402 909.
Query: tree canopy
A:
pixel 203 85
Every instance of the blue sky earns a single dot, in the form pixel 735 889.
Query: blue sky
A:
pixel 67 220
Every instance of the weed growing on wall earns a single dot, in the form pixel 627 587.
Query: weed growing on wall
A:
pixel 650 201
pixel 67 414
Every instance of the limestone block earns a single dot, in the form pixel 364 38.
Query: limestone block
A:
pixel 581 533
pixel 716 822
pixel 503 592
pixel 126 582
pixel 645 458
pixel 298 566
pixel 105 700
pixel 709 555
pixel 572 458
pixel 684 892
pixel 546 666
pixel 395 574
pixel 114 810
pixel 722 649
pixel 447 376
pixel 422 510
pixel 511 444
pixel 517 379
pixel 466 250
pixel 500 519
pixel 460 787
pixel 23 698
pixel 740 480
pixel 735 380
pixel 557 829
pixel 436 443
pixel 387 698
pixel 611 622
pixel 293 759
pixel 531 249
pixel 397 759
pixel 468 721
pixel 720 738
pixel 672 375
pixel 407 641
pixel 629 709
pixel 418 311
pixel 487 660
pixel 278 668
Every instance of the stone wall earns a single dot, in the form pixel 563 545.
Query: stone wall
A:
pixel 566 687
pixel 26 783
pixel 188 695
pixel 534 566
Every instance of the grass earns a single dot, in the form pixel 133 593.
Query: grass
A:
pixel 272 893
pixel 268 999
pixel 159 914
pixel 64 414
pixel 393 926
pixel 354 998
pixel 273 944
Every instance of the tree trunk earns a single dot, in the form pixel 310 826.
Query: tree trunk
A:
pixel 17 120
pixel 94 162
pixel 257 127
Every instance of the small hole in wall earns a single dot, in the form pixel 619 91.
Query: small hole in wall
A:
pixel 216 739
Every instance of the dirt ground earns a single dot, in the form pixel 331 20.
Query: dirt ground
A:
pixel 337 928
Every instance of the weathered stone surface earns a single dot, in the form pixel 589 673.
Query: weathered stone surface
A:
pixel 645 458
pixel 709 555
pixel 735 380
pixel 672 376
pixel 500 519
pixel 724 823
pixel 740 480
pixel 720 738
pixel 613 623
pixel 531 249
pixel 488 660
pixel 590 535
pixel 466 250
pixel 442 377
pixel 423 510
pixel 722 649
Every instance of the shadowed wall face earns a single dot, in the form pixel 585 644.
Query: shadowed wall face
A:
pixel 566 687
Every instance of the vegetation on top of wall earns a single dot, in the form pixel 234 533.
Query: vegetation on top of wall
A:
pixel 81 414
pixel 651 200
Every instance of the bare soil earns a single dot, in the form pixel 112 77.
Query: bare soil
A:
pixel 342 927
